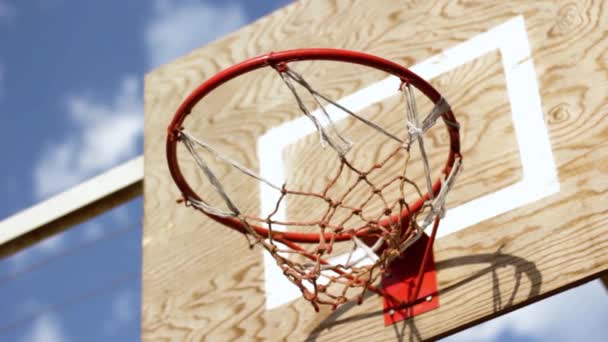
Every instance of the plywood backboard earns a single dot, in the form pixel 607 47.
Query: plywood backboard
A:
pixel 527 218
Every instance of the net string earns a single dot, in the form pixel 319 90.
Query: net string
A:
pixel 320 281
pixel 289 74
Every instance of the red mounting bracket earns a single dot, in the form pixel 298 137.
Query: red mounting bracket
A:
pixel 400 283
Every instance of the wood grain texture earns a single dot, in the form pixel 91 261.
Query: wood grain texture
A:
pixel 201 281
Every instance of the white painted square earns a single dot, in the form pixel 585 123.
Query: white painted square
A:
pixel 539 176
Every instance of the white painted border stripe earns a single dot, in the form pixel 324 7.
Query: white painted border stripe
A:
pixel 539 178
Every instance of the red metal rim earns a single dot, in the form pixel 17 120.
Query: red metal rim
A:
pixel 274 59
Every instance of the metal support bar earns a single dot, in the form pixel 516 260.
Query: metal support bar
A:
pixel 80 203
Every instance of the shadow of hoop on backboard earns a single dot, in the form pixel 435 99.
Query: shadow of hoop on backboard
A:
pixel 408 327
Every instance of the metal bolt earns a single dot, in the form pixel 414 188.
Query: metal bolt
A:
pixel 428 298
pixel 391 312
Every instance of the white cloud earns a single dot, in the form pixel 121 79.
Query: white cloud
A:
pixel 121 215
pixel 7 11
pixel 178 27
pixel 105 134
pixel 574 315
pixel 52 244
pixel 92 231
pixel 124 311
pixel 46 328
pixel 124 307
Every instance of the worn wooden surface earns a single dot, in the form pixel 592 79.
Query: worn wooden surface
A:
pixel 200 280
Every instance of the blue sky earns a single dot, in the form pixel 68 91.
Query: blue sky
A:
pixel 71 107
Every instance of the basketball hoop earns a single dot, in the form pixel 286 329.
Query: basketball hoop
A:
pixel 387 233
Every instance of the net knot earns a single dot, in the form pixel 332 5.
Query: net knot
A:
pixel 414 130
